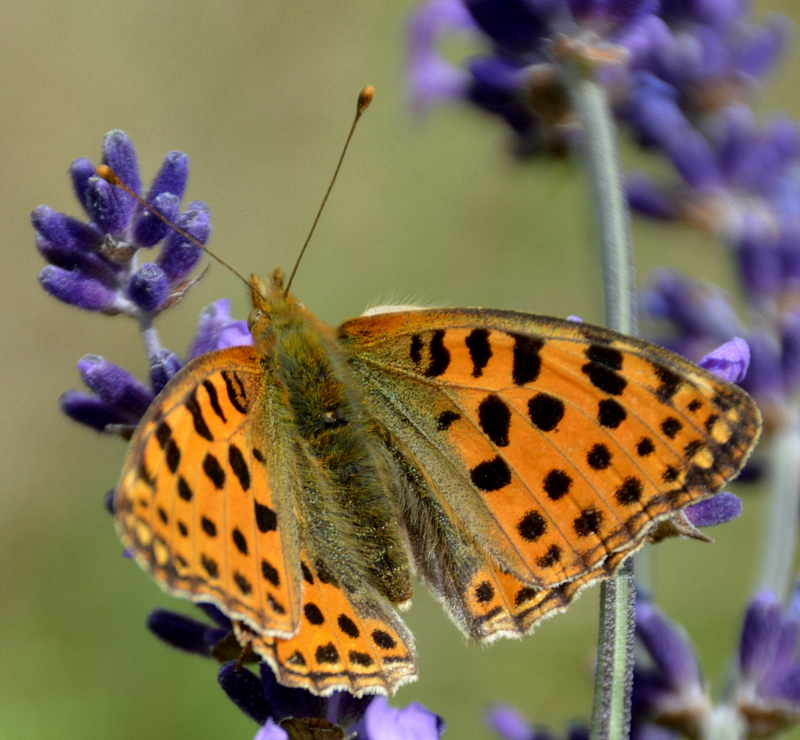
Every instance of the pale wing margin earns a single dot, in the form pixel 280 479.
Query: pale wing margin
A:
pixel 205 500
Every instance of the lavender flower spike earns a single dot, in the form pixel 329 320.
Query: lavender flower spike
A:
pixel 382 722
pixel 768 694
pixel 730 361
pixel 671 690
pixel 95 266
pixel 365 718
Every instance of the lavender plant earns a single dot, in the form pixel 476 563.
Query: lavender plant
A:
pixel 564 75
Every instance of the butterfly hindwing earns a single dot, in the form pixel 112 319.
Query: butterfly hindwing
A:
pixel 205 497
pixel 555 444
pixel 348 640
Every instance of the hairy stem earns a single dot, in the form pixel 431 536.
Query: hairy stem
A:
pixel 780 540
pixel 613 679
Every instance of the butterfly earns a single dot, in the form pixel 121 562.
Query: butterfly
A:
pixel 507 460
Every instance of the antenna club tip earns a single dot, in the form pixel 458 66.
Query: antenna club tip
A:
pixel 365 98
pixel 104 171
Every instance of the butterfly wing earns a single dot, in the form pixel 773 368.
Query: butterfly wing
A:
pixel 549 449
pixel 204 501
pixel 348 641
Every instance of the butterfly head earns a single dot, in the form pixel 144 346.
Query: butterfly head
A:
pixel 273 308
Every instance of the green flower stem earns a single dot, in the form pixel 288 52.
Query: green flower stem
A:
pixel 614 675
pixel 780 539
pixel 150 339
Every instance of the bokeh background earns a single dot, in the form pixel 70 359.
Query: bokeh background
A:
pixel 260 94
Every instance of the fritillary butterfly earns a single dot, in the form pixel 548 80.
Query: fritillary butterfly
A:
pixel 508 460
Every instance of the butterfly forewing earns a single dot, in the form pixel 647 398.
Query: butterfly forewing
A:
pixel 555 444
pixel 204 501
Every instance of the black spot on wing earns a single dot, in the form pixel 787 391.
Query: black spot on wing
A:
pixel 348 626
pixel 669 382
pixel 184 490
pixel 598 457
pixel 276 605
pixel 671 426
pixel 527 362
pixel 210 566
pixel 495 418
pixel 415 350
pixel 266 518
pixel 604 355
pixel 610 414
pixel 327 654
pixel 484 592
pixel 325 575
pixel 532 526
pixel 445 420
pixel 163 433
pixel 239 466
pixel 545 411
pixel 645 447
pixel 235 390
pixel 491 475
pixel 557 484
pixel 550 558
pixel 604 379
pixel 213 399
pixel 588 522
pixel 313 614
pixel 670 474
pixel 244 585
pixel 145 476
pixel 480 351
pixel 270 573
pixel 198 419
pixel 173 454
pixel 440 355
pixel 383 640
pixel 359 658
pixel 208 526
pixel 525 594
pixel 214 471
pixel 240 541
pixel 630 492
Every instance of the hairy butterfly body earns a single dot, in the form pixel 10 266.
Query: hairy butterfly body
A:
pixel 508 460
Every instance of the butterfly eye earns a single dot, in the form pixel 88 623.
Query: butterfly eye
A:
pixel 255 316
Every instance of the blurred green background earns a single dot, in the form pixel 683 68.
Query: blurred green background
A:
pixel 260 93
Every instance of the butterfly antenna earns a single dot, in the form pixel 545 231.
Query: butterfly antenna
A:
pixel 112 178
pixel 364 99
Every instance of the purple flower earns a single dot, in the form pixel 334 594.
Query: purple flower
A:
pixel 118 401
pixel 95 265
pixel 656 59
pixel 365 718
pixel 768 692
pixel 271 704
pixel 509 724
pixel 189 634
pixel 669 689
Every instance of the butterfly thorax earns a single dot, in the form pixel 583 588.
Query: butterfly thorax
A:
pixel 347 505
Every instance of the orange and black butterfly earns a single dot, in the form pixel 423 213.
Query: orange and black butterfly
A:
pixel 505 459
